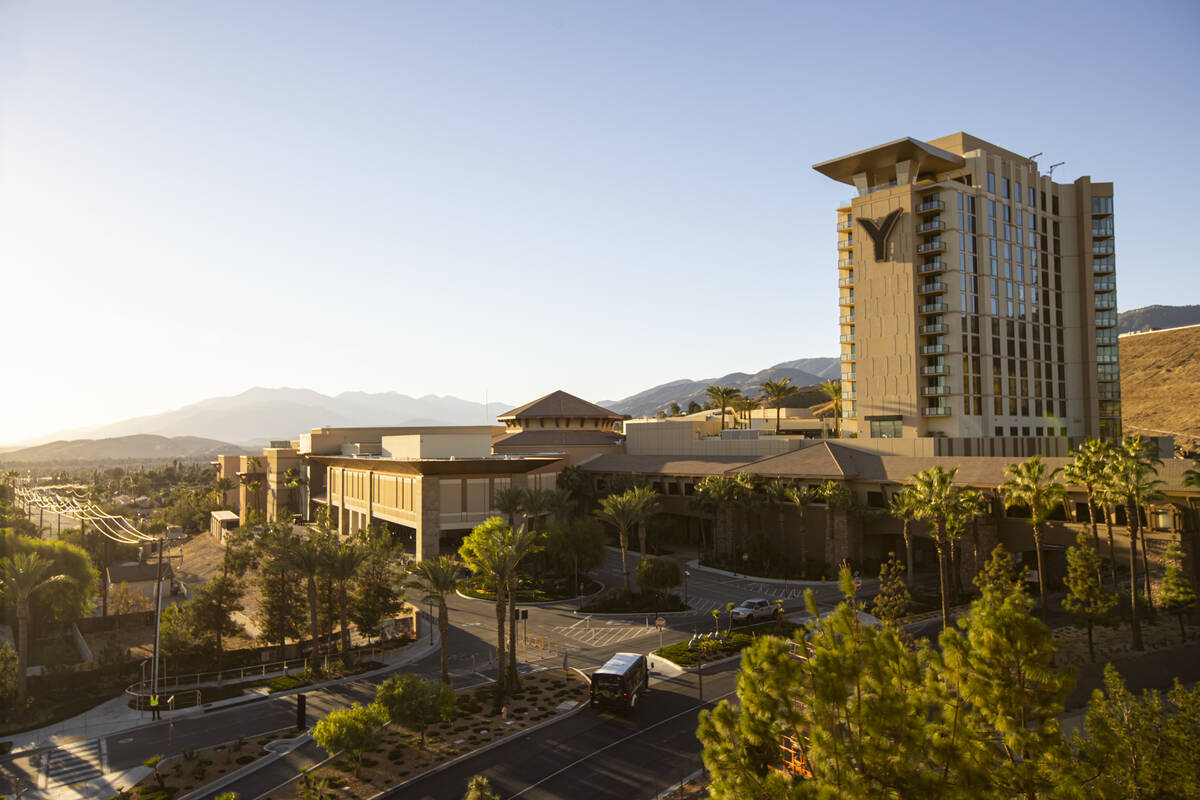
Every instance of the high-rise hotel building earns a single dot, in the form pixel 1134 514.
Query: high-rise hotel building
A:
pixel 977 296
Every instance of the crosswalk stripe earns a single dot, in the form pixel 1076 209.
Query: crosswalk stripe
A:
pixel 74 762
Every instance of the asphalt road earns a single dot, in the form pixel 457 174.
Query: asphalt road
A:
pixel 593 754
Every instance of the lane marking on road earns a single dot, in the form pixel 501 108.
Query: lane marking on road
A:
pixel 595 753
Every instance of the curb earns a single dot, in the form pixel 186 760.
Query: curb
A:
pixel 667 794
pixel 756 579
pixel 736 656
pixel 542 604
pixel 220 783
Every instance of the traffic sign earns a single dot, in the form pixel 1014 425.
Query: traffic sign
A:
pixel 857 583
pixel 660 622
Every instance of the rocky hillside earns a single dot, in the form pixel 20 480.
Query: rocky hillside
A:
pixel 1157 318
pixel 1160 378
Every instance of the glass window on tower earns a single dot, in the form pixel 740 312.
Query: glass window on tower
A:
pixel 991 182
pixel 1004 192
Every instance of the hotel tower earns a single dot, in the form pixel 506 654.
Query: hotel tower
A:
pixel 977 298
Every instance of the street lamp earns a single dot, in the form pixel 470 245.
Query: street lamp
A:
pixel 685 592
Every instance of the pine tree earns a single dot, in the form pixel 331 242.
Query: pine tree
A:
pixel 1086 601
pixel 893 599
pixel 1005 656
pixel 1177 595
pixel 1138 746
pixel 999 573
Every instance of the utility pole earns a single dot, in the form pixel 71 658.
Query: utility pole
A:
pixel 157 621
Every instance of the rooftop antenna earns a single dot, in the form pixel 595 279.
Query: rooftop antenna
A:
pixel 1052 166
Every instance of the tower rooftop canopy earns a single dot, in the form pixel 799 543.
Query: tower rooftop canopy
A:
pixel 882 159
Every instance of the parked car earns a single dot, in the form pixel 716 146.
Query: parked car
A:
pixel 755 610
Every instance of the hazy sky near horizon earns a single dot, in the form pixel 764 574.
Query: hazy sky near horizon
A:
pixel 470 197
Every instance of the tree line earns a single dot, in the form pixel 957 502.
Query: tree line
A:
pixel 849 710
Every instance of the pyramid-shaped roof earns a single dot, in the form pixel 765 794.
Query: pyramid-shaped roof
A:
pixel 559 404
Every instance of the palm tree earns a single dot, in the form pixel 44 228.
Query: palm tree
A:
pixel 902 505
pixel 748 501
pixel 308 558
pixel 221 487
pixel 1137 478
pixel 716 495
pixel 342 565
pixel 833 390
pixel 722 396
pixel 22 575
pixel 778 391
pixel 293 479
pixel 801 498
pixel 485 551
pixel 775 492
pixel 560 504
pixel 1131 479
pixel 1029 484
pixel 520 543
pixel 647 506
pixel 945 505
pixel 535 504
pixel 745 404
pixel 438 578
pixel 622 512
pixel 509 502
pixel 1087 469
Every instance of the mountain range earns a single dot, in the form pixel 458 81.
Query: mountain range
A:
pixel 803 372
pixel 139 447
pixel 257 415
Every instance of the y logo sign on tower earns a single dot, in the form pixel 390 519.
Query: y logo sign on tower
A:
pixel 879 231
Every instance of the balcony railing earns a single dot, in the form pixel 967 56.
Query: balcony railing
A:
pixel 937 265
pixel 1106 337
pixel 1102 230
pixel 932 286
pixel 845 225
pixel 1103 267
pixel 931 226
pixel 845 244
pixel 934 349
pixel 936 369
pixel 933 391
pixel 937 327
pixel 846 338
pixel 1106 301
pixel 931 205
pixel 933 308
pixel 935 411
pixel 846 299
pixel 1104 284
pixel 1103 248
pixel 931 247
pixel 849 357
pixel 846 319
pixel 849 395
pixel 849 376
pixel 843 282
pixel 845 262
pixel 1106 319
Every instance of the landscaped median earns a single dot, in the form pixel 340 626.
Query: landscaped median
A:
pixel 687 653
pixel 394 754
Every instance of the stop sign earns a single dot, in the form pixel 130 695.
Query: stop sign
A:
pixel 660 622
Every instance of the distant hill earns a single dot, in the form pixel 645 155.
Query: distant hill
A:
pixel 258 415
pixel 1157 318
pixel 1160 373
pixel 140 447
pixel 803 372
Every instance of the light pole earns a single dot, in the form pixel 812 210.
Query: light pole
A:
pixel 154 714
pixel 685 592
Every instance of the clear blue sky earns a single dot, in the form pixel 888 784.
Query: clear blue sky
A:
pixel 514 197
